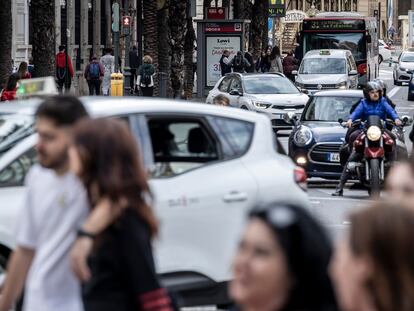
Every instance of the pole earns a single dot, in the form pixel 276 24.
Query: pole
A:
pixel 67 74
pixel 139 31
pixel 116 48
pixel 127 69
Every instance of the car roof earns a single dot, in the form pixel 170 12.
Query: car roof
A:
pixel 106 106
pixel 334 53
pixel 258 75
pixel 340 93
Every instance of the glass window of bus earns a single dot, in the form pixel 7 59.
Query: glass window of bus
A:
pixel 354 42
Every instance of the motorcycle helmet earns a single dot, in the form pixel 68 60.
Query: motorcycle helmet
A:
pixel 371 86
pixel 383 86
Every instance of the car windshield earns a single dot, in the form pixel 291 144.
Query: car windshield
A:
pixel 13 128
pixel 407 57
pixel 329 108
pixel 269 85
pixel 323 66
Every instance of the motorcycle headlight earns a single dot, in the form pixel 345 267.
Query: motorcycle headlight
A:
pixel 341 85
pixel 303 136
pixel 374 133
pixel 261 105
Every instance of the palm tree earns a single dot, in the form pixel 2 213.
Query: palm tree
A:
pixel 190 37
pixel 151 34
pixel 5 40
pixel 164 47
pixel 43 42
pixel 259 26
pixel 177 25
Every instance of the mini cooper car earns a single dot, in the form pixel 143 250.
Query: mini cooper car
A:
pixel 317 137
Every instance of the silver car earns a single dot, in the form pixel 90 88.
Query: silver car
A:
pixel 403 67
pixel 272 94
pixel 327 69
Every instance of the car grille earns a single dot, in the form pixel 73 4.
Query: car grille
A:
pixel 324 86
pixel 300 106
pixel 280 123
pixel 320 152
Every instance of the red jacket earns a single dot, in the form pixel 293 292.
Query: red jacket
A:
pixel 8 95
pixel 289 64
pixel 61 62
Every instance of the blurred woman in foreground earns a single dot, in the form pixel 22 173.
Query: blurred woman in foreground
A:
pixel 373 268
pixel 282 263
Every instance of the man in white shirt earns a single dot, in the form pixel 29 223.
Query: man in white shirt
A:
pixel 55 207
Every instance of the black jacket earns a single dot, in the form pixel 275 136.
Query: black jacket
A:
pixel 133 59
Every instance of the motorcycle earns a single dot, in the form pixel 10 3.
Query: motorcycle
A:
pixel 374 147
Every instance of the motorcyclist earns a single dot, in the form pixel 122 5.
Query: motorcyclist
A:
pixel 372 104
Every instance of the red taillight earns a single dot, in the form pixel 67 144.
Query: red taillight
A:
pixel 387 47
pixel 362 69
pixel 301 178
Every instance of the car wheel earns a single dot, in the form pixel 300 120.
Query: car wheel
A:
pixel 244 107
pixel 380 59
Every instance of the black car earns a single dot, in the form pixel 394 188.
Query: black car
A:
pixel 317 137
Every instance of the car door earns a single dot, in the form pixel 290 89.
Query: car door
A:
pixel 200 193
pixel 235 85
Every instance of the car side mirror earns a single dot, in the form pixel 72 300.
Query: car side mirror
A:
pixel 407 120
pixel 235 93
pixel 295 72
pixel 304 91
pixel 290 117
pixel 353 73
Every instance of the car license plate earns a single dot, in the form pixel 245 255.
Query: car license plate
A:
pixel 334 157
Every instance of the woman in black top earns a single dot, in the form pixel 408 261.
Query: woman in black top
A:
pixel 282 262
pixel 123 278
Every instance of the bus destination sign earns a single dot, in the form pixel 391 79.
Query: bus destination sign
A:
pixel 322 24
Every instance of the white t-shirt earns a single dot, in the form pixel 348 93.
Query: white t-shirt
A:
pixel 54 209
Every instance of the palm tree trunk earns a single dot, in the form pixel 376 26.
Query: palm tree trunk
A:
pixel 151 35
pixel 43 18
pixel 190 37
pixel 178 9
pixel 164 47
pixel 259 26
pixel 5 41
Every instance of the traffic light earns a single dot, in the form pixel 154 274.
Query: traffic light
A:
pixel 126 21
pixel 115 17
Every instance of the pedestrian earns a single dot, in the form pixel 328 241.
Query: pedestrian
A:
pixel 23 71
pixel 54 208
pixel 9 92
pixel 194 62
pixel 63 79
pixel 128 280
pixel 290 63
pixel 134 65
pixel 225 65
pixel 221 100
pixel 282 262
pixel 145 80
pixel 94 72
pixel 373 267
pixel 399 183
pixel 249 57
pixel 239 63
pixel 108 63
pixel 276 60
pixel 30 68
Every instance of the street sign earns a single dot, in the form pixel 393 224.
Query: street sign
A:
pixel 277 8
pixel 216 13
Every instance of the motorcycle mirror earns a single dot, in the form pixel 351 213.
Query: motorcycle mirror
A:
pixel 407 120
pixel 340 121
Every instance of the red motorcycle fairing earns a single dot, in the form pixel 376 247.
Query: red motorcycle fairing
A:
pixel 388 142
pixel 374 152
pixel 359 142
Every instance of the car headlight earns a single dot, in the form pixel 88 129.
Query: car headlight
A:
pixel 374 133
pixel 341 85
pixel 300 85
pixel 261 105
pixel 303 136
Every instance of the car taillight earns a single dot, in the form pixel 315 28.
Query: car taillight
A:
pixel 362 69
pixel 301 178
pixel 387 47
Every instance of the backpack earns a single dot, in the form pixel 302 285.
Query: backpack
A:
pixel 146 76
pixel 94 71
pixel 238 64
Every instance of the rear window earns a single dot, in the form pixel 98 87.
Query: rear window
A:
pixel 14 128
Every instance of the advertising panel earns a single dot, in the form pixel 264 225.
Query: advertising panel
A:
pixel 215 45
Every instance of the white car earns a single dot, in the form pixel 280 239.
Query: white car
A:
pixel 209 166
pixel 384 51
pixel 272 94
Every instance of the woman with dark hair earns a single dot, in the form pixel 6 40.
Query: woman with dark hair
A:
pixel 104 155
pixel 282 262
pixel 373 268
pixel 276 60
pixel 23 71
pixel 9 93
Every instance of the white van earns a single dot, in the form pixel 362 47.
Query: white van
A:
pixel 327 69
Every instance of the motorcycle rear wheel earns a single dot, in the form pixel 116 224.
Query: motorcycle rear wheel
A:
pixel 375 177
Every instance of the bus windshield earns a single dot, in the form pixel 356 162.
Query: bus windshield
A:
pixel 353 42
